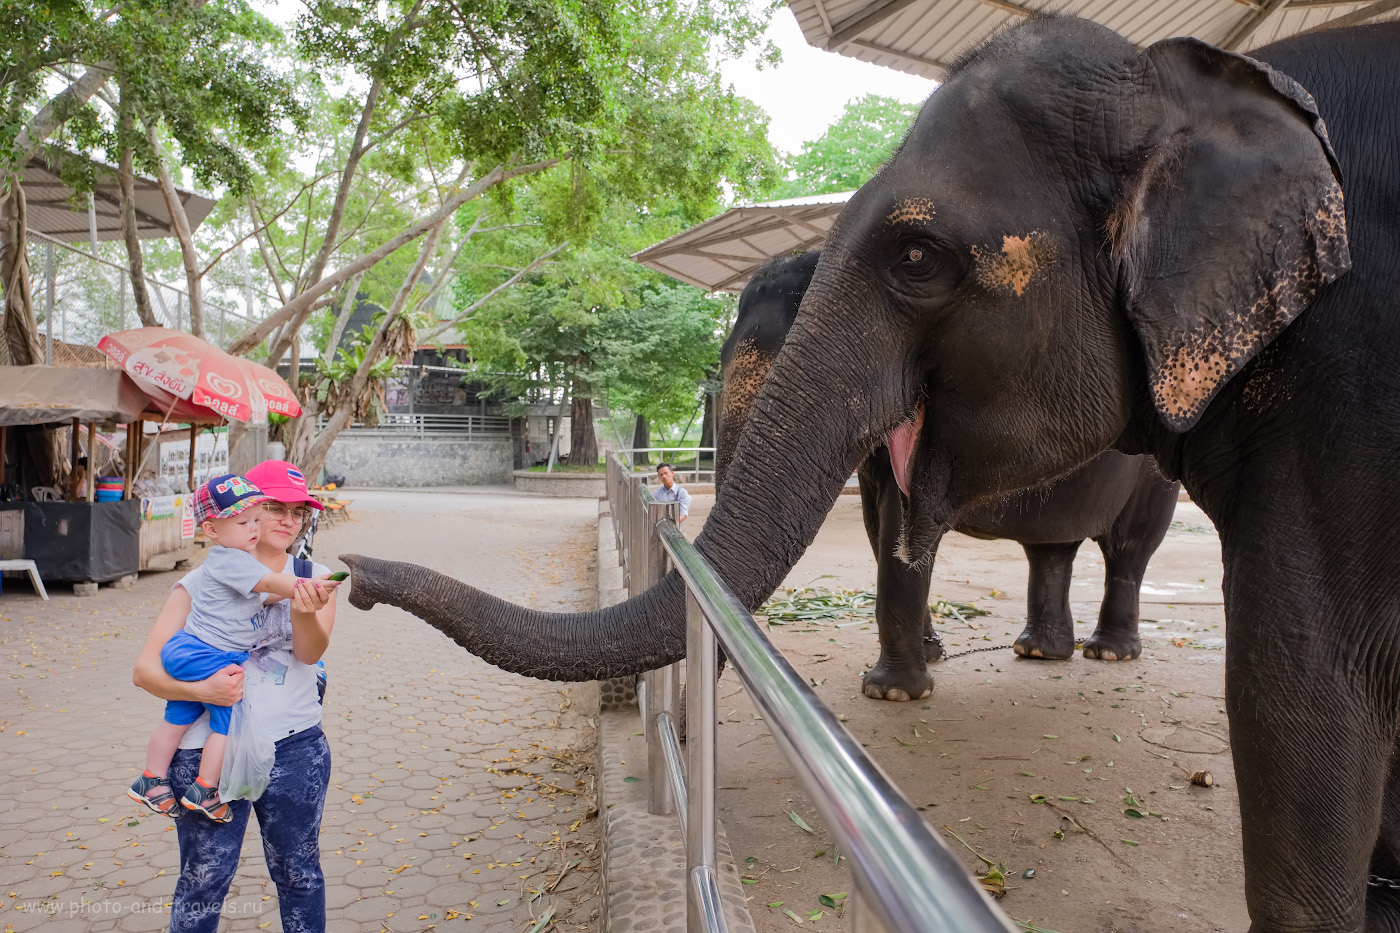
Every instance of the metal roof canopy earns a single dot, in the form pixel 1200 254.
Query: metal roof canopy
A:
pixel 921 36
pixel 55 395
pixel 722 253
pixel 52 209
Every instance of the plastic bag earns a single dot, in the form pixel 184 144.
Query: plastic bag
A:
pixel 249 756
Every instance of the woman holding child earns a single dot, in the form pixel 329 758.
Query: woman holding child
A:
pixel 280 679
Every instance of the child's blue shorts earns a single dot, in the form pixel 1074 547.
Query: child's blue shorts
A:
pixel 187 658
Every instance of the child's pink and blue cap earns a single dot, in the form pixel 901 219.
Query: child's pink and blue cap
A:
pixel 225 496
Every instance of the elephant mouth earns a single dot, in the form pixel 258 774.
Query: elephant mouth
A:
pixel 902 442
pixel 927 511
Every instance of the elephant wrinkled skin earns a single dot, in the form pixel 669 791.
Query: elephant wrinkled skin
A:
pixel 1084 245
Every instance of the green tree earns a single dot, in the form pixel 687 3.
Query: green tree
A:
pixel 595 325
pixel 851 150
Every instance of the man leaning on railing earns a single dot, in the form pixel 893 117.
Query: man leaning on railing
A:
pixel 671 491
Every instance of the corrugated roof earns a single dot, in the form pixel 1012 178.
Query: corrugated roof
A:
pixel 723 253
pixel 51 208
pixel 921 36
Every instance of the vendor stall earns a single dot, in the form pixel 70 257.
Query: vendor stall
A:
pixel 85 524
pixel 84 542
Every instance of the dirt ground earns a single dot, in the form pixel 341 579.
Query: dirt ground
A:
pixel 999 729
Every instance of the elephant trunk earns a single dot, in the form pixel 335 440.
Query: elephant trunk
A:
pixel 813 422
pixel 567 646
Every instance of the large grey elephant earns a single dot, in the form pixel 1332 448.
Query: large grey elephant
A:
pixel 1120 501
pixel 1084 245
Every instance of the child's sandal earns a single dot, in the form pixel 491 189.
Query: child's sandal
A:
pixel 205 799
pixel 156 794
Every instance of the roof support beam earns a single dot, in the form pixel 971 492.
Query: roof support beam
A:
pixel 1252 21
pixel 1006 6
pixel 873 15
pixel 940 67
pixel 1356 17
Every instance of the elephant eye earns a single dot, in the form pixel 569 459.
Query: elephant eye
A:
pixel 915 255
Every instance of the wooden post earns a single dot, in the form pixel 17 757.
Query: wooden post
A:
pixel 92 461
pixel 72 455
pixel 193 436
pixel 133 450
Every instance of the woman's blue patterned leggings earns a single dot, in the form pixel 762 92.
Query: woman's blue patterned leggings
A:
pixel 289 816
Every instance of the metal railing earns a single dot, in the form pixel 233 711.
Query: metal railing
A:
pixel 426 425
pixel 905 879
pixel 686 462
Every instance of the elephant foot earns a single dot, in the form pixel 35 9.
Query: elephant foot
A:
pixel 1113 647
pixel 1037 643
pixel 880 683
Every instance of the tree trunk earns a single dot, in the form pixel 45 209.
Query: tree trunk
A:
pixel 583 440
pixel 194 278
pixel 126 184
pixel 342 194
pixel 320 448
pixel 347 308
pixel 641 437
pixel 21 330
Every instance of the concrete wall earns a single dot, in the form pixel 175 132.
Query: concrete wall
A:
pixel 565 485
pixel 383 459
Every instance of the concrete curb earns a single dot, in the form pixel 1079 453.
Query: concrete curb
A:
pixel 643 870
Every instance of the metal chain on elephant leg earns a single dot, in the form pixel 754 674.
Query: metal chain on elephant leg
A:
pixel 1376 881
pixel 949 657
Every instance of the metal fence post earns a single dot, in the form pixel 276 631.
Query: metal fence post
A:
pixel 662 689
pixel 863 919
pixel 704 912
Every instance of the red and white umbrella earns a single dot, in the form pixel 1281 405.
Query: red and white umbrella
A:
pixel 196 371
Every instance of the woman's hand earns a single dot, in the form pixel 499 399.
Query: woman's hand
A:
pixel 311 596
pixel 224 688
pixel 313 617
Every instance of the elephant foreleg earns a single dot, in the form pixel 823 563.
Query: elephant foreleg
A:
pixel 907 640
pixel 1313 737
pixel 1127 547
pixel 1049 631
pixel 1383 883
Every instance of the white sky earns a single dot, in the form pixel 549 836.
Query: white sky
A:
pixel 808 91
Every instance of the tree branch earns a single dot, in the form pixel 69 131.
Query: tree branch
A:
pixel 476 305
pixel 256 334
pixel 181 225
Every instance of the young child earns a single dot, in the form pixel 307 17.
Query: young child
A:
pixel 225 594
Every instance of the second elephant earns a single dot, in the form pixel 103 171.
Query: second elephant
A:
pixel 1122 502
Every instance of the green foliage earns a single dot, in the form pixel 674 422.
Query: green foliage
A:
pixel 596 320
pixel 851 150
pixel 38 36
pixel 211 74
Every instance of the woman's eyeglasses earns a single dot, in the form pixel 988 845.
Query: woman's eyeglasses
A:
pixel 279 511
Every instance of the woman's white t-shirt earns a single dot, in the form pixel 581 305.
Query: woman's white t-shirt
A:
pixel 282 688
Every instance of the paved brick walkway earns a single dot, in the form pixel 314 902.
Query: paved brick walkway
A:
pixel 459 793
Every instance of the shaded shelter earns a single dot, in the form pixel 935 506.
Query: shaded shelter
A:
pixel 44 203
pixel 921 37
pixel 111 530
pixel 722 253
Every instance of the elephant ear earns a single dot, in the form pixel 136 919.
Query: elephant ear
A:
pixel 1228 219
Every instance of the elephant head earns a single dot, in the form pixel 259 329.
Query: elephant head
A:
pixel 1076 238
pixel 767 308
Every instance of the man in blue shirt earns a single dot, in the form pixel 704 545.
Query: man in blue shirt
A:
pixel 670 492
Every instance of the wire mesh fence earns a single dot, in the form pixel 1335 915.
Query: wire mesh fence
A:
pixel 79 296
